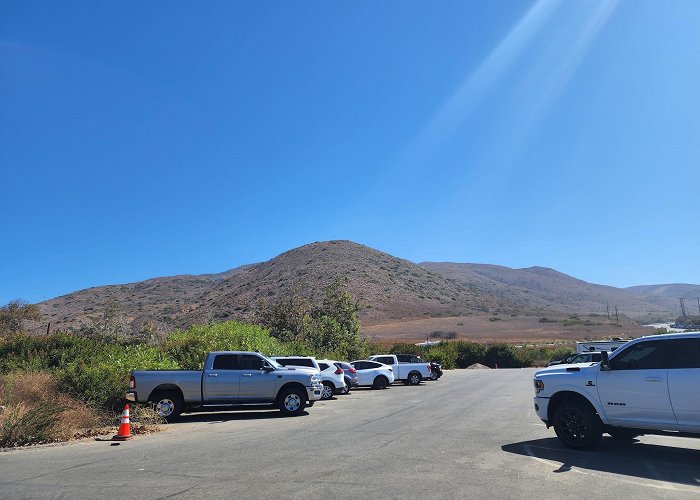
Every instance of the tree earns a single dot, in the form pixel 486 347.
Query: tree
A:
pixel 288 319
pixel 336 326
pixel 331 327
pixel 339 304
pixel 14 314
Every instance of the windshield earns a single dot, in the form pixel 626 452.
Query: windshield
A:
pixel 272 362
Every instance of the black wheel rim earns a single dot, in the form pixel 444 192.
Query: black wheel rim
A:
pixel 574 425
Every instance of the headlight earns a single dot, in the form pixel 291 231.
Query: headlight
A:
pixel 539 386
pixel 313 379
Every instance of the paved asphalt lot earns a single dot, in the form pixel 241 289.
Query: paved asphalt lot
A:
pixel 472 434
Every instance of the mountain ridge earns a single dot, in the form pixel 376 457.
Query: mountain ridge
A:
pixel 389 288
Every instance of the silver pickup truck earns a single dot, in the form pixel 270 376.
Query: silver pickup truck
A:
pixel 229 378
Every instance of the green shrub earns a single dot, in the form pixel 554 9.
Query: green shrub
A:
pixel 189 348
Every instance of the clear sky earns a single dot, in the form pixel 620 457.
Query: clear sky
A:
pixel 142 139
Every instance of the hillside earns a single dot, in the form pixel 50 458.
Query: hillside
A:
pixel 543 289
pixel 388 288
pixel 666 296
pixel 391 291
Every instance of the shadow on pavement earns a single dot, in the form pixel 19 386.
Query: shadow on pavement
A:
pixel 226 414
pixel 673 464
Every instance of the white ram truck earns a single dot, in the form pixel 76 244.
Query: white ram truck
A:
pixel 407 368
pixel 647 386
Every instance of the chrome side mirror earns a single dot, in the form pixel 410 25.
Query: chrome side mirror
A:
pixel 605 361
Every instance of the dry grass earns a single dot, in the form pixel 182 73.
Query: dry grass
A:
pixel 34 412
pixel 517 329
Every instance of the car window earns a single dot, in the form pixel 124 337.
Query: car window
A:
pixel 226 362
pixel 581 358
pixel 323 366
pixel 387 360
pixel 296 362
pixel 684 353
pixel 403 358
pixel 596 357
pixel 642 356
pixel 251 362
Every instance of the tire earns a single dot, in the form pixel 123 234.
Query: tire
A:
pixel 623 434
pixel 577 425
pixel 291 401
pixel 434 375
pixel 327 392
pixel 414 378
pixel 168 404
pixel 380 382
pixel 345 389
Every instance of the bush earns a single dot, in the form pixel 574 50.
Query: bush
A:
pixel 20 425
pixel 36 412
pixel 189 348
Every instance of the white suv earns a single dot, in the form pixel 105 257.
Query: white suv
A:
pixel 331 376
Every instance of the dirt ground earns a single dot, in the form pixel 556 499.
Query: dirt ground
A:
pixel 518 329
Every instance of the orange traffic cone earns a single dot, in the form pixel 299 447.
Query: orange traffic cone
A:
pixel 124 431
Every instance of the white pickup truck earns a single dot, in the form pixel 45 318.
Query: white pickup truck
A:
pixel 647 386
pixel 407 368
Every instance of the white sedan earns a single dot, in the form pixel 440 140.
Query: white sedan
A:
pixel 373 374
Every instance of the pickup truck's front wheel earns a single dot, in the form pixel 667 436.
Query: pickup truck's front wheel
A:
pixel 577 425
pixel 291 401
pixel 168 404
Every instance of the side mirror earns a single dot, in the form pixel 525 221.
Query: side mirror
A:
pixel 268 368
pixel 605 361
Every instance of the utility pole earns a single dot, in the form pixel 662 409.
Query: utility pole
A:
pixel 698 304
pixel 607 308
pixel 682 307
pixel 48 328
pixel 617 318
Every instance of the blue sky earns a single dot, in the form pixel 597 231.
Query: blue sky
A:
pixel 159 138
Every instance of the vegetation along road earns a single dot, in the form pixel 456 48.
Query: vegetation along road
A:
pixel 471 434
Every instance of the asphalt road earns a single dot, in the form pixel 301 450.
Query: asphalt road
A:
pixel 472 434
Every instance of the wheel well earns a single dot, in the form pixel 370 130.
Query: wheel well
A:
pixel 295 385
pixel 416 372
pixel 566 397
pixel 166 388
pixel 382 376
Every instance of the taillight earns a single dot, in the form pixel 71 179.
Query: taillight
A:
pixel 338 371
pixel 352 370
pixel 429 369
pixel 132 383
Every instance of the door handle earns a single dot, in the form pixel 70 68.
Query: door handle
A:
pixel 212 374
pixel 247 374
pixel 652 379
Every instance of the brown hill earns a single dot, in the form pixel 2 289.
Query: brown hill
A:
pixel 543 289
pixel 666 296
pixel 392 291
pixel 388 288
